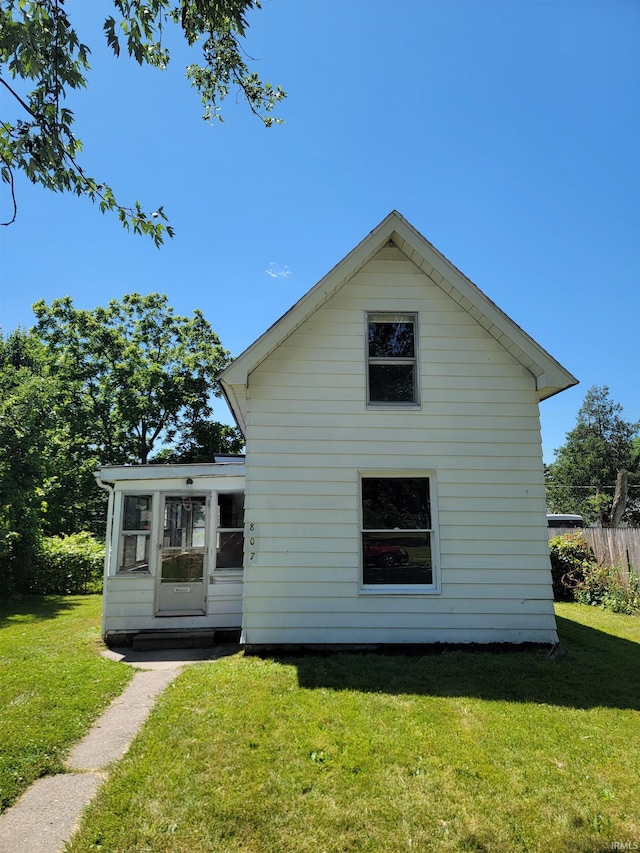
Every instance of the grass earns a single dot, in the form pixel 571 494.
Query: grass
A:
pixel 460 751
pixel 53 684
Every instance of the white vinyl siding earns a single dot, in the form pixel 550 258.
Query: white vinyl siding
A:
pixel 310 433
pixel 130 606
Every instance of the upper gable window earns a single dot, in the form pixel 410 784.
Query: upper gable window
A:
pixel 391 359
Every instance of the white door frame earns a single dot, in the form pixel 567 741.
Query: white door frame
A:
pixel 182 596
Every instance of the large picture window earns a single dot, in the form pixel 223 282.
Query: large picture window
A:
pixel 391 359
pixel 136 532
pixel 397 532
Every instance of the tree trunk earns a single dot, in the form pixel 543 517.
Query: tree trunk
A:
pixel 619 499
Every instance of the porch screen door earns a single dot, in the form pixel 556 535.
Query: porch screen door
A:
pixel 181 589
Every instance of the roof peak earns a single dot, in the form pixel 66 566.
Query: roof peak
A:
pixel 550 376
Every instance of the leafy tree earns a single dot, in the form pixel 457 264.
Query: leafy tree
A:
pixel 136 374
pixel 86 387
pixel 597 453
pixel 200 441
pixel 26 402
pixel 40 49
pixel 46 482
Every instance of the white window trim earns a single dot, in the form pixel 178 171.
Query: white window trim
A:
pixel 414 590
pixel 148 532
pixel 390 317
pixel 226 572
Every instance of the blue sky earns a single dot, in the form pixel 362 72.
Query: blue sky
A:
pixel 508 133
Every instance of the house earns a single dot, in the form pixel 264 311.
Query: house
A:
pixel 393 480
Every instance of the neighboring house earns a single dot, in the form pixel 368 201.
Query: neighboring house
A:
pixel 394 488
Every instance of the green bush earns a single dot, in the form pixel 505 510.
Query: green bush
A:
pixel 571 558
pixel 69 565
pixel 577 577
pixel 605 586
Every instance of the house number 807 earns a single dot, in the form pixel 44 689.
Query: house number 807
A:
pixel 252 539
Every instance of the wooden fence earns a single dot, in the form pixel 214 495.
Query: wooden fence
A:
pixel 612 546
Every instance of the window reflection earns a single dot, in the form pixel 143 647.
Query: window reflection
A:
pixel 391 383
pixel 390 339
pixel 391 355
pixel 396 534
pixel 230 541
pixel 136 527
pixel 136 512
pixel 394 502
pixel 185 522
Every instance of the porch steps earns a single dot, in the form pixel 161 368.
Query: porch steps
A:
pixel 150 641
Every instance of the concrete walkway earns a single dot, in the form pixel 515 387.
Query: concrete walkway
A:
pixel 45 817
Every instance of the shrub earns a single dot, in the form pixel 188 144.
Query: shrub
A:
pixel 571 558
pixel 606 587
pixel 577 577
pixel 69 565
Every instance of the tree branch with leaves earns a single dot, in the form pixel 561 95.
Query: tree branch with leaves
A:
pixel 39 48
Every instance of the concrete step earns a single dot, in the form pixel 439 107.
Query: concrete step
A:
pixel 151 640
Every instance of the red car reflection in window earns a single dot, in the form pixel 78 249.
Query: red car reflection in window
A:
pixel 383 554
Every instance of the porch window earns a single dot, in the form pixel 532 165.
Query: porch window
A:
pixel 136 532
pixel 391 359
pixel 230 531
pixel 398 537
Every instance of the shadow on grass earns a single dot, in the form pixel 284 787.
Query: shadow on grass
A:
pixel 37 608
pixel 594 670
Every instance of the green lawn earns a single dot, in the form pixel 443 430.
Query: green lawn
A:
pixel 460 751
pixel 53 684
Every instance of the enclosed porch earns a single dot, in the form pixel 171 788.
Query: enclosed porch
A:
pixel 174 550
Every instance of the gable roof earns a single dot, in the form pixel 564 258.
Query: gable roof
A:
pixel 551 377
